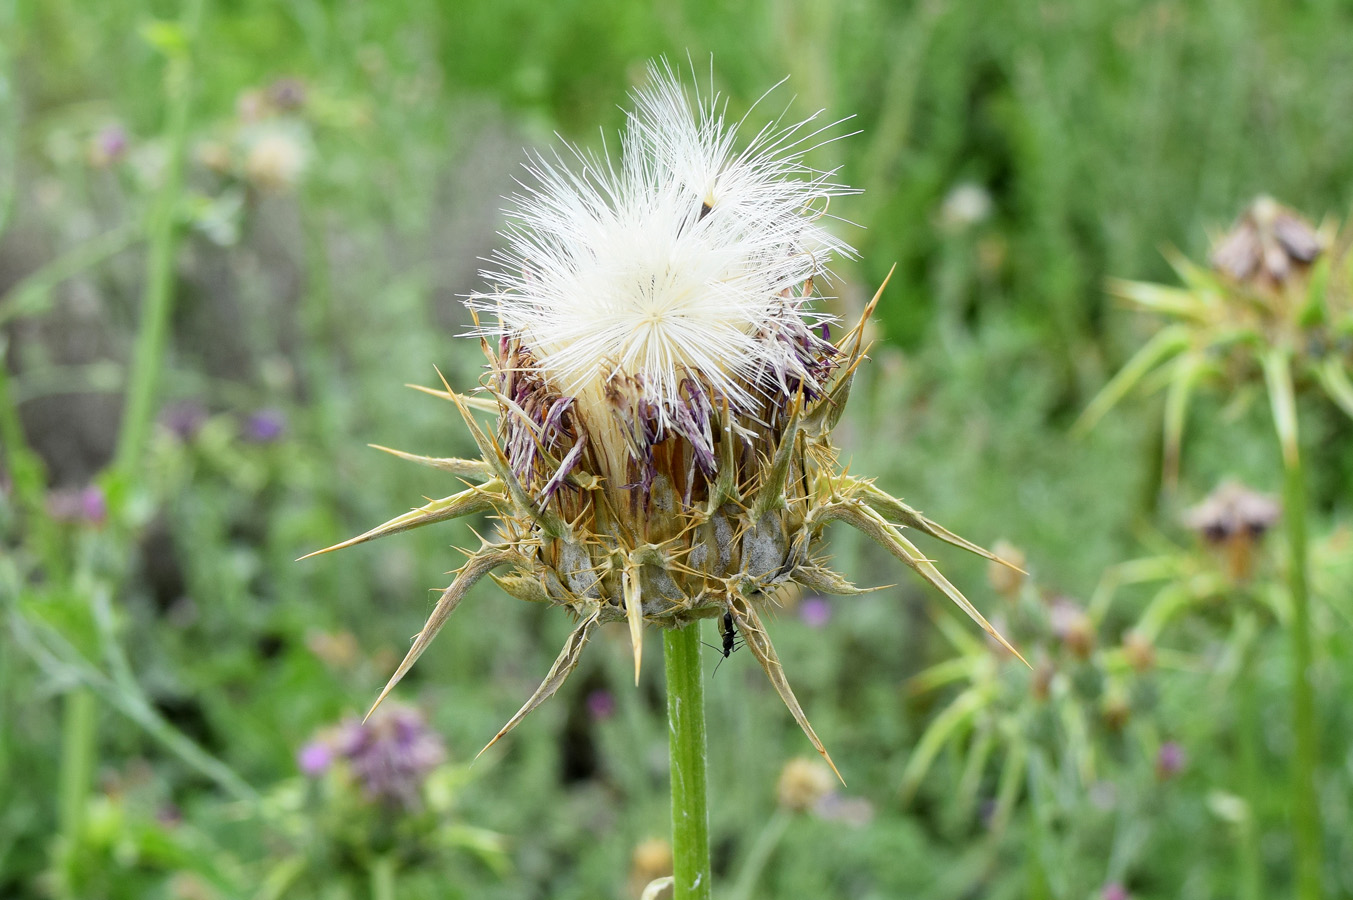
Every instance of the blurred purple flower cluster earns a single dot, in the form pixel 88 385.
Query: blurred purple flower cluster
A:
pixel 88 505
pixel 265 426
pixel 389 756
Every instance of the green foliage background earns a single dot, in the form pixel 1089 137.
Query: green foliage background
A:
pixel 1101 131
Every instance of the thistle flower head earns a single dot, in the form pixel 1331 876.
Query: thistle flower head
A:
pixel 673 282
pixel 1275 305
pixel 665 391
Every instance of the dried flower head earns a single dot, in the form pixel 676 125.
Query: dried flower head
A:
pixel 664 391
pixel 1139 652
pixel 649 861
pixel 803 784
pixel 1232 520
pixel 1233 510
pixel 1006 580
pixel 276 159
pixel 1267 246
pixel 1072 626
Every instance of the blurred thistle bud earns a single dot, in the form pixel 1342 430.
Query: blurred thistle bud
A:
pixel 1006 580
pixel 336 649
pixel 287 94
pixel 1170 760
pixel 1233 519
pixel 192 886
pixel 1040 685
pixel 803 784
pixel 1072 626
pixel 1268 245
pixel 1114 891
pixel 214 156
pixel 993 251
pixel 87 505
pixel 108 146
pixel 1116 710
pixel 666 392
pixel 276 159
pixel 965 206
pixel 1139 652
pixel 183 419
pixel 650 860
pixel 251 106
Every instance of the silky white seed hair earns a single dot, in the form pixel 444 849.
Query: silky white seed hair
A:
pixel 684 260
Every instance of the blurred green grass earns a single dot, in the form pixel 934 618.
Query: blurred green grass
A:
pixel 1099 131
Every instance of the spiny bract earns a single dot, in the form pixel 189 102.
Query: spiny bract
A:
pixel 664 394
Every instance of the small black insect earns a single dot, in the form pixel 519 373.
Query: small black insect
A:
pixel 731 641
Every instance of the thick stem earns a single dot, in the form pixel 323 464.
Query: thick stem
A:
pixel 686 732
pixel 1305 807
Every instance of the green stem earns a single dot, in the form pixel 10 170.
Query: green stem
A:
pixel 76 774
pixel 1305 808
pixel 28 474
pixel 55 655
pixel 1249 865
pixel 162 233
pixel 760 854
pixel 686 731
pixel 382 875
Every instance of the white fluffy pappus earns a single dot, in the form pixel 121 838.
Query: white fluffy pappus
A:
pixel 687 259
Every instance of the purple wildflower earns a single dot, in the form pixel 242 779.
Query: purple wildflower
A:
pixel 1170 760
pixel 265 426
pixel 184 419
pixel 601 704
pixel 86 504
pixel 815 611
pixel 391 754
pixel 287 94
pixel 108 146
pixel 1114 890
pixel 315 757
pixel 93 505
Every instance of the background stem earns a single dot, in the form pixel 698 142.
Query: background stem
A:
pixel 760 855
pixel 1305 808
pixel 686 732
pixel 153 329
pixel 1250 865
pixel 77 773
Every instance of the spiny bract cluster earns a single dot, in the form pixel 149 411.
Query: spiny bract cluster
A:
pixel 664 394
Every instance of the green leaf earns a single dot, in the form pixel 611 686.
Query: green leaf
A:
pixel 1159 298
pixel 954 716
pixel 1334 379
pixel 1166 343
pixel 167 37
